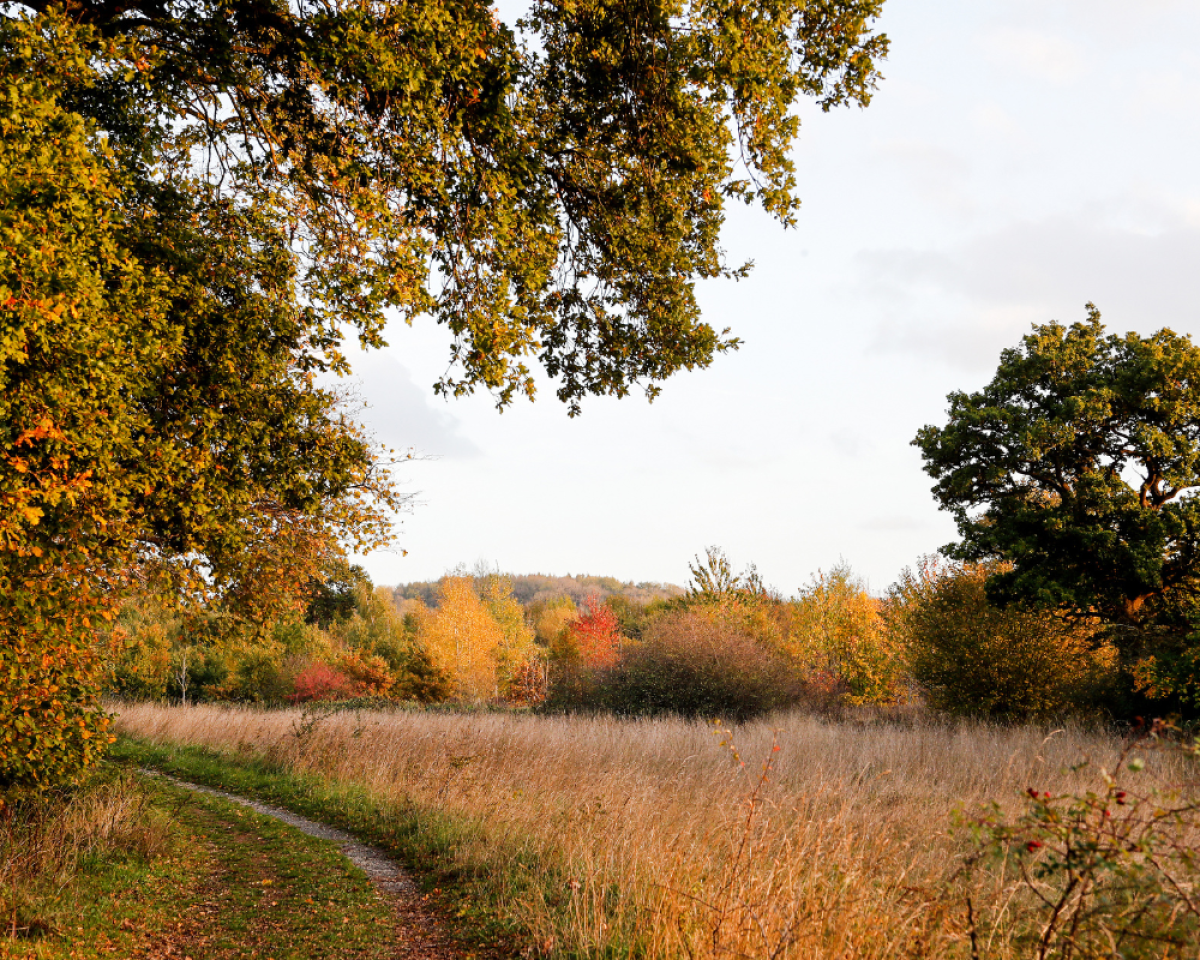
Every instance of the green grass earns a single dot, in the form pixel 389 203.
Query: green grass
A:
pixel 230 884
pixel 423 843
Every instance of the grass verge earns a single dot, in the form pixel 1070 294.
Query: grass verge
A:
pixel 185 876
pixel 424 844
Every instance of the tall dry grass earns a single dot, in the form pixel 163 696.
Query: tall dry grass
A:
pixel 44 842
pixel 617 837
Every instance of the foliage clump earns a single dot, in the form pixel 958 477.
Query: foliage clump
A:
pixel 971 657
pixel 476 635
pixel 349 641
pixel 837 635
pixel 699 662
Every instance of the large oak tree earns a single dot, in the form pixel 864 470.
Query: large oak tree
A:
pixel 1080 465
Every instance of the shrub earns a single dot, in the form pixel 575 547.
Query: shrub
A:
pixel 596 635
pixel 1101 873
pixel 1166 671
pixel 529 683
pixel 697 662
pixel 838 639
pixel 586 647
pixel 369 676
pixel 319 681
pixel 973 658
pixel 256 673
pixel 55 727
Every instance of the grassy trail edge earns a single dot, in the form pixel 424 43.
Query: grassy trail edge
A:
pixel 424 842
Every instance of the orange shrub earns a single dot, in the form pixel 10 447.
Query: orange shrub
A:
pixel 369 676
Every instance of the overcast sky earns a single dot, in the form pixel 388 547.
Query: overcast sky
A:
pixel 1021 158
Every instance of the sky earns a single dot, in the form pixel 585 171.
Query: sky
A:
pixel 1020 158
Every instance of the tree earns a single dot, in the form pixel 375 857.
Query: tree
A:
pixel 973 658
pixel 463 638
pixel 835 634
pixel 1079 465
pixel 516 647
pixel 596 636
pixel 713 581
pixel 198 199
pixel 555 198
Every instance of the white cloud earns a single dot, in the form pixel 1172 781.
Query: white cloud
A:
pixel 936 173
pixel 1167 90
pixel 994 122
pixel 401 414
pixel 964 303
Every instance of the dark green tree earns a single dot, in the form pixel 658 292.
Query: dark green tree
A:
pixel 199 199
pixel 1079 464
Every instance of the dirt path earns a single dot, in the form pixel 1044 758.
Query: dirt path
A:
pixel 419 933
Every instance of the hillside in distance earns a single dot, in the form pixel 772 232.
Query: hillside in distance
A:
pixel 534 587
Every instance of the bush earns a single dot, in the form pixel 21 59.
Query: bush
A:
pixel 698 662
pixel 1102 873
pixel 256 673
pixel 1012 663
pixel 319 681
pixel 839 640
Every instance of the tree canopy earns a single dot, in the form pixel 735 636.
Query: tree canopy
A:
pixel 1080 464
pixel 551 193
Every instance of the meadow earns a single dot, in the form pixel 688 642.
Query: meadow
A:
pixel 793 836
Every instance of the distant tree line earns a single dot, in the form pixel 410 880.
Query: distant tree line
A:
pixel 728 647
pixel 532 588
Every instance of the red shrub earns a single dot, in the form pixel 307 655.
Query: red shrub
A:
pixel 596 635
pixel 319 681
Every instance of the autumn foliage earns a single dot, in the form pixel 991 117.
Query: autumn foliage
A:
pixel 596 635
pixel 50 681
pixel 973 658
pixel 319 681
pixel 155 412
pixel 834 632
pixel 476 635
pixel 701 662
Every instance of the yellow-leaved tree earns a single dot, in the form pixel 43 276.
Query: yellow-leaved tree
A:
pixel 463 638
pixel 516 647
pixel 836 634
pixel 971 657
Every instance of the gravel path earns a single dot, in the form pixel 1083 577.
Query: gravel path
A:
pixel 419 933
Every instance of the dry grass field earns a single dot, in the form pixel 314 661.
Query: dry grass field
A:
pixel 663 838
